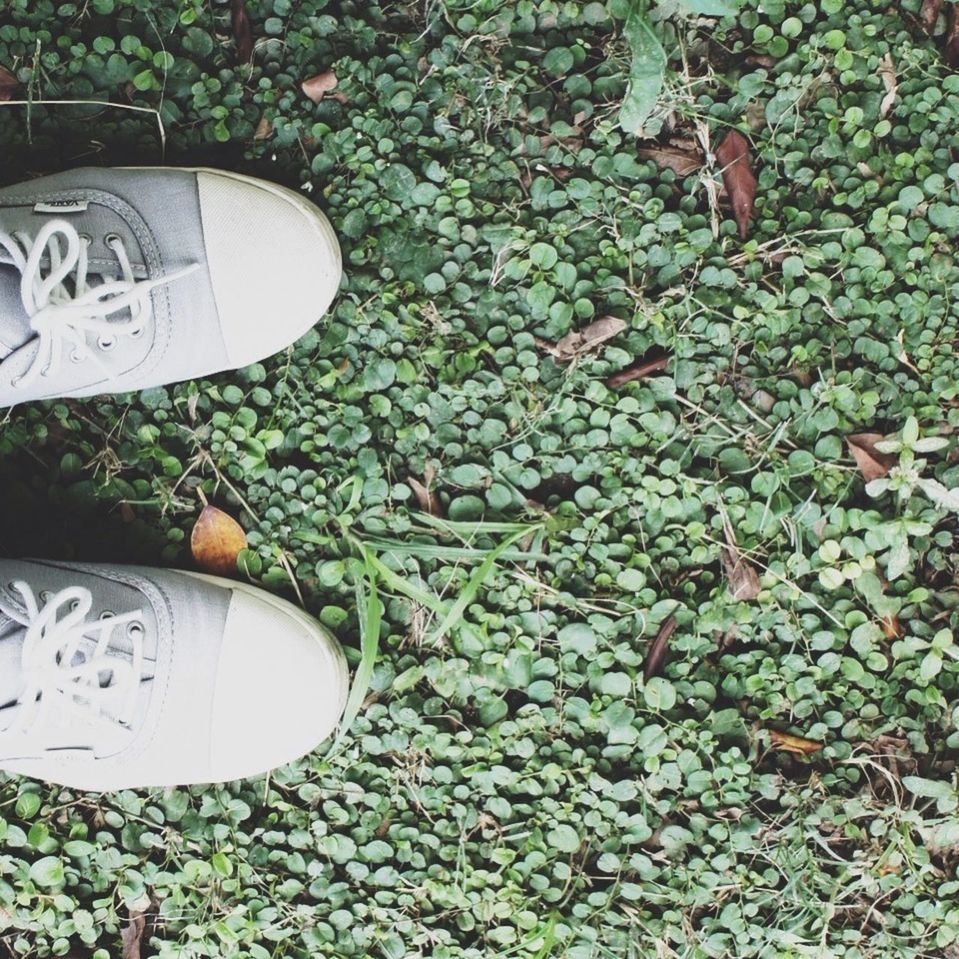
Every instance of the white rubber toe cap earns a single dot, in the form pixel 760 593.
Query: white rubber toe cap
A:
pixel 274 262
pixel 281 686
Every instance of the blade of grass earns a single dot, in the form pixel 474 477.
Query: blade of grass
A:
pixel 458 553
pixel 371 621
pixel 472 527
pixel 473 585
pixel 403 586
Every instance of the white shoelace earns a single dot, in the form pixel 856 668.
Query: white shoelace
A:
pixel 61 316
pixel 57 667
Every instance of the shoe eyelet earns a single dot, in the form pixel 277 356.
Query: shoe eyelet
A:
pixel 75 356
pixel 136 334
pixel 107 614
pixel 106 343
pixel 85 238
pixel 45 595
pixel 135 630
pixel 112 238
pixel 74 605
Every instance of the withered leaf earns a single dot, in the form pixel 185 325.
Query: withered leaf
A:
pixel 638 371
pixel 216 542
pixel 264 129
pixel 428 500
pixel 657 652
pixel 582 341
pixel 319 86
pixel 794 744
pixel 929 14
pixel 892 628
pixel 887 72
pixel 132 935
pixel 242 31
pixel 743 578
pixel 950 50
pixel 872 464
pixel 734 158
pixel 8 84
pixel 683 162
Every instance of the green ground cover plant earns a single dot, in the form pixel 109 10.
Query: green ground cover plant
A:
pixel 655 631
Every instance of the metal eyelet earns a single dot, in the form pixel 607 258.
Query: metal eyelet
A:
pixel 106 343
pixel 136 334
pixel 112 238
pixel 45 595
pixel 75 356
pixel 107 614
pixel 85 238
pixel 135 629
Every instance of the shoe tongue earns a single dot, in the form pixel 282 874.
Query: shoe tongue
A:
pixel 14 322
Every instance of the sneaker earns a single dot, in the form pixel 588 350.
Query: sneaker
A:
pixel 121 677
pixel 114 280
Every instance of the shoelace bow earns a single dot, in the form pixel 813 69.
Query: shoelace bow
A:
pixel 55 664
pixel 61 316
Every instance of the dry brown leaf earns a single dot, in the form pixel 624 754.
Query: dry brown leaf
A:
pixel 638 371
pixel 657 652
pixel 734 158
pixel 242 31
pixel 743 579
pixel 892 628
pixel 217 541
pixel 929 14
pixel 683 162
pixel 9 85
pixel 425 496
pixel 132 935
pixel 264 129
pixel 794 744
pixel 950 50
pixel 887 72
pixel 319 86
pixel 872 464
pixel 585 340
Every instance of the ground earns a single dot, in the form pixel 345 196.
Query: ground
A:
pixel 499 529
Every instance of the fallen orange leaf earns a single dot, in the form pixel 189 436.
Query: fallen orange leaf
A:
pixel 217 541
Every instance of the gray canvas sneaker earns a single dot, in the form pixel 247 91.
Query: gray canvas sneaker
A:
pixel 113 280
pixel 116 677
